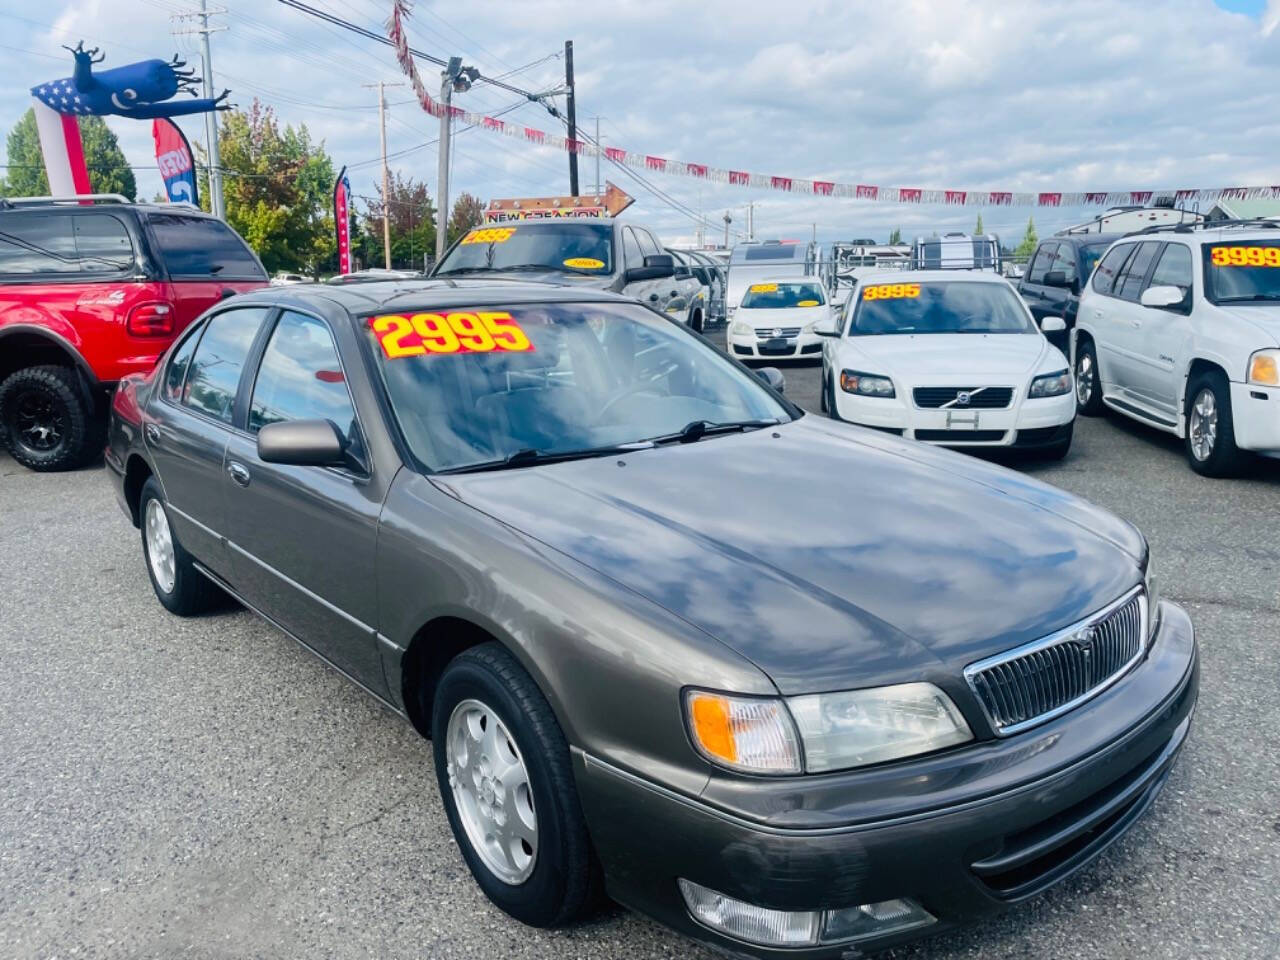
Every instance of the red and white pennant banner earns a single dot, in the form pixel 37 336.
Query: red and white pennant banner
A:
pixel 816 188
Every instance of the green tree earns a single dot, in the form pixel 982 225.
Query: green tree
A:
pixel 413 230
pixel 896 236
pixel 468 212
pixel 1029 240
pixel 276 184
pixel 978 231
pixel 108 170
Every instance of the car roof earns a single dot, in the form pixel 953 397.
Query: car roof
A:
pixel 919 276
pixel 438 294
pixel 89 209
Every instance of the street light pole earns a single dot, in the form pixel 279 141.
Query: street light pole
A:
pixel 442 165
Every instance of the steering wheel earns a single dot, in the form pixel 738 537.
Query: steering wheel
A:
pixel 630 390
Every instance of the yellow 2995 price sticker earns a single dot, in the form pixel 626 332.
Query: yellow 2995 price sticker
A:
pixel 460 331
pixel 1245 256
pixel 892 291
pixel 489 235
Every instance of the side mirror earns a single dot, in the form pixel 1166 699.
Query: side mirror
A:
pixel 773 377
pixel 301 443
pixel 1055 278
pixel 828 327
pixel 1162 298
pixel 657 266
pixel 1053 325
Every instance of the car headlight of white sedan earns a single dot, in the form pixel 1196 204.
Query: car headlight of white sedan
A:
pixel 740 329
pixel 866 384
pixel 1050 384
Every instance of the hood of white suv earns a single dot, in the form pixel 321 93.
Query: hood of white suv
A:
pixel 1264 316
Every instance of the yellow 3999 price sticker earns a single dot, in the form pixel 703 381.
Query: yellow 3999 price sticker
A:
pixel 460 331
pixel 892 291
pixel 489 235
pixel 1245 256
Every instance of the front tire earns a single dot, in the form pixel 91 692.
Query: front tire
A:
pixel 506 780
pixel 1210 441
pixel 179 586
pixel 1088 381
pixel 49 425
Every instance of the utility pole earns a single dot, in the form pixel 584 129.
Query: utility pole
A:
pixel 453 78
pixel 573 120
pixel 598 149
pixel 216 203
pixel 751 221
pixel 727 220
pixel 386 180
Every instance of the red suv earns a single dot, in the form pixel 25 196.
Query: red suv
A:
pixel 91 290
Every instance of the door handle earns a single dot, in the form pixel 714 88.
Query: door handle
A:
pixel 152 433
pixel 238 472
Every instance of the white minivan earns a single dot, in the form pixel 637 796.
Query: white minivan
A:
pixel 1179 328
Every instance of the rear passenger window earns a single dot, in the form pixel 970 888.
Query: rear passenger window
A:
pixel 36 243
pixel 1173 268
pixel 175 375
pixel 301 378
pixel 202 248
pixel 1104 277
pixel 103 244
pixel 214 375
pixel 1130 282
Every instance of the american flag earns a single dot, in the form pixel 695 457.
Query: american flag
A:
pixel 61 95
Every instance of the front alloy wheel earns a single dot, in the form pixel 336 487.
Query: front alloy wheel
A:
pixel 490 785
pixel 1211 433
pixel 1202 430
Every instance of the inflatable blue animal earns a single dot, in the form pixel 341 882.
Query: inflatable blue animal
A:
pixel 139 90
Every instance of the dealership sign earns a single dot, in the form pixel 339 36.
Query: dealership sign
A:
pixel 608 204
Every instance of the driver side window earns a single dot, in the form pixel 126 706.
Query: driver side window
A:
pixel 631 249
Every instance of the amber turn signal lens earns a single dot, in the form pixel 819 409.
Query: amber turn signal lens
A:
pixel 1264 369
pixel 710 715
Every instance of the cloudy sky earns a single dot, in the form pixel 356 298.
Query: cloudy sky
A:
pixel 968 94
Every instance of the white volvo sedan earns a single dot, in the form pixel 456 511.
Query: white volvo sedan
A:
pixel 778 319
pixel 948 358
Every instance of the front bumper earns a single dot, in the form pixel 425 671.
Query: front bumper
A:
pixel 964 833
pixel 1024 423
pixel 1255 411
pixel 762 346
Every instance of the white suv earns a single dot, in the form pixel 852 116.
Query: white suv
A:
pixel 1180 329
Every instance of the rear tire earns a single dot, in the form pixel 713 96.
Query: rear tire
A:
pixel 49 424
pixel 1210 441
pixel 180 587
pixel 1088 382
pixel 500 755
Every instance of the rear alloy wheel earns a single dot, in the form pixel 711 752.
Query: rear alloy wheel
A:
pixel 506 780
pixel 48 423
pixel 179 586
pixel 1088 383
pixel 1211 439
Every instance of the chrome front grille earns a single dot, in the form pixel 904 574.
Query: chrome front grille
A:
pixel 1044 679
pixel 767 333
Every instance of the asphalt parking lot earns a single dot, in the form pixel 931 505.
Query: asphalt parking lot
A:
pixel 208 789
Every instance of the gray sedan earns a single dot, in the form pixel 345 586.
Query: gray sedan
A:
pixel 785 684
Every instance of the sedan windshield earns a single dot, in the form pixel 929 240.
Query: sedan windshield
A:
pixel 560 246
pixel 939 307
pixel 512 385
pixel 777 296
pixel 1242 271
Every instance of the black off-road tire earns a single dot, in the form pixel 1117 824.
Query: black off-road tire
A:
pixel 1086 365
pixel 1226 459
pixel 49 397
pixel 192 592
pixel 566 878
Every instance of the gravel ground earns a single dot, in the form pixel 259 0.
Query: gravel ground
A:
pixel 207 789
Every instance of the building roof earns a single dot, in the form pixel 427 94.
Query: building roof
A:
pixel 1244 209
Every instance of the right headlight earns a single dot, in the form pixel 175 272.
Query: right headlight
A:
pixel 860 727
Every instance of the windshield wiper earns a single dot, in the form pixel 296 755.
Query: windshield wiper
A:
pixel 441 273
pixel 1252 298
pixel 529 457
pixel 697 429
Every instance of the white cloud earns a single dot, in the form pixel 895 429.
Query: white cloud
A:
pixel 1059 94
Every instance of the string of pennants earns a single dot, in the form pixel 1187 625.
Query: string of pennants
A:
pixel 798 185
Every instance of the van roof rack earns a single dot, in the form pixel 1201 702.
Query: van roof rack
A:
pixel 77 198
pixel 1193 225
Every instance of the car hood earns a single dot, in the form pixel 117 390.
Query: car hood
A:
pixel 600 282
pixel 1266 317
pixel 927 355
pixel 830 556
pixel 780 316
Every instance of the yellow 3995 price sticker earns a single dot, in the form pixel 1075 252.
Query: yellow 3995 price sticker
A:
pixel 763 288
pixel 1245 256
pixel 892 291
pixel 460 331
pixel 489 235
